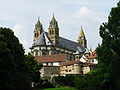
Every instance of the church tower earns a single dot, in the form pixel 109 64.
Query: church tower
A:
pixel 81 39
pixel 53 31
pixel 38 30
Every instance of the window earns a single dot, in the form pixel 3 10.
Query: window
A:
pixel 77 57
pixel 43 53
pixel 52 32
pixel 36 53
pixel 37 34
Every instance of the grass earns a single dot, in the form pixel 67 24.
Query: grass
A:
pixel 60 88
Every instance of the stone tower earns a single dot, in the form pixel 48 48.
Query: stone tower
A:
pixel 81 39
pixel 53 31
pixel 38 30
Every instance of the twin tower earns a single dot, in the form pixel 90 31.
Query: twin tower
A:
pixel 53 32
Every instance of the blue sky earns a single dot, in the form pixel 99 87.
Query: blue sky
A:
pixel 21 16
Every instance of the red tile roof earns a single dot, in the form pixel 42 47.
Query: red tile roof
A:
pixel 93 55
pixel 76 62
pixel 69 63
pixel 51 58
pixel 89 64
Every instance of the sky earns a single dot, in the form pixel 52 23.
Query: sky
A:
pixel 22 15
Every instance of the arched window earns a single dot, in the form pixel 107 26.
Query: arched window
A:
pixel 37 34
pixel 52 32
pixel 36 52
pixel 43 52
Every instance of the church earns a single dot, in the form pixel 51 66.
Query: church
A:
pixel 59 55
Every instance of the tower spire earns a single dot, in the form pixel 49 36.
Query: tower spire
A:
pixel 53 14
pixel 53 19
pixel 81 39
pixel 81 32
pixel 38 22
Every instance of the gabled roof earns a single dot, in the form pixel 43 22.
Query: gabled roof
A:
pixel 87 51
pixel 83 58
pixel 80 50
pixel 93 55
pixel 43 39
pixel 51 58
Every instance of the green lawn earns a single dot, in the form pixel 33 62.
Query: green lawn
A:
pixel 61 88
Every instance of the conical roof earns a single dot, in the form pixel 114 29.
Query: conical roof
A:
pixel 53 18
pixel 81 33
pixel 38 22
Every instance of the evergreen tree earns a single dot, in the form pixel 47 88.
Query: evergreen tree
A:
pixel 109 51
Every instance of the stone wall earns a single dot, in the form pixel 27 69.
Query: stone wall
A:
pixel 86 69
pixel 48 71
pixel 71 69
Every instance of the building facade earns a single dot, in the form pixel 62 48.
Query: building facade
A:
pixel 58 55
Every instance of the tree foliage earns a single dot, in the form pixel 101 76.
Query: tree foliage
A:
pixel 11 61
pixel 17 70
pixel 109 51
pixel 107 76
pixel 33 67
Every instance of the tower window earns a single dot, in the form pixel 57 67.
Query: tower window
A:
pixel 52 32
pixel 37 34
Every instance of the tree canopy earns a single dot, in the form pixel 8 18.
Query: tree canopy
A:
pixel 109 51
pixel 17 70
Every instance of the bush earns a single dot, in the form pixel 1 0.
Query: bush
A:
pixel 44 84
pixel 66 80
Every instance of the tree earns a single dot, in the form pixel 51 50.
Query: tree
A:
pixel 109 51
pixel 34 67
pixel 107 76
pixel 13 75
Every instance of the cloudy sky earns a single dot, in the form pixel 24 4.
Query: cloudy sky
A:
pixel 22 15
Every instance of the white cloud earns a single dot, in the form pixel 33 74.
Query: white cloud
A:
pixel 90 16
pixel 83 12
pixel 24 42
pixel 17 29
